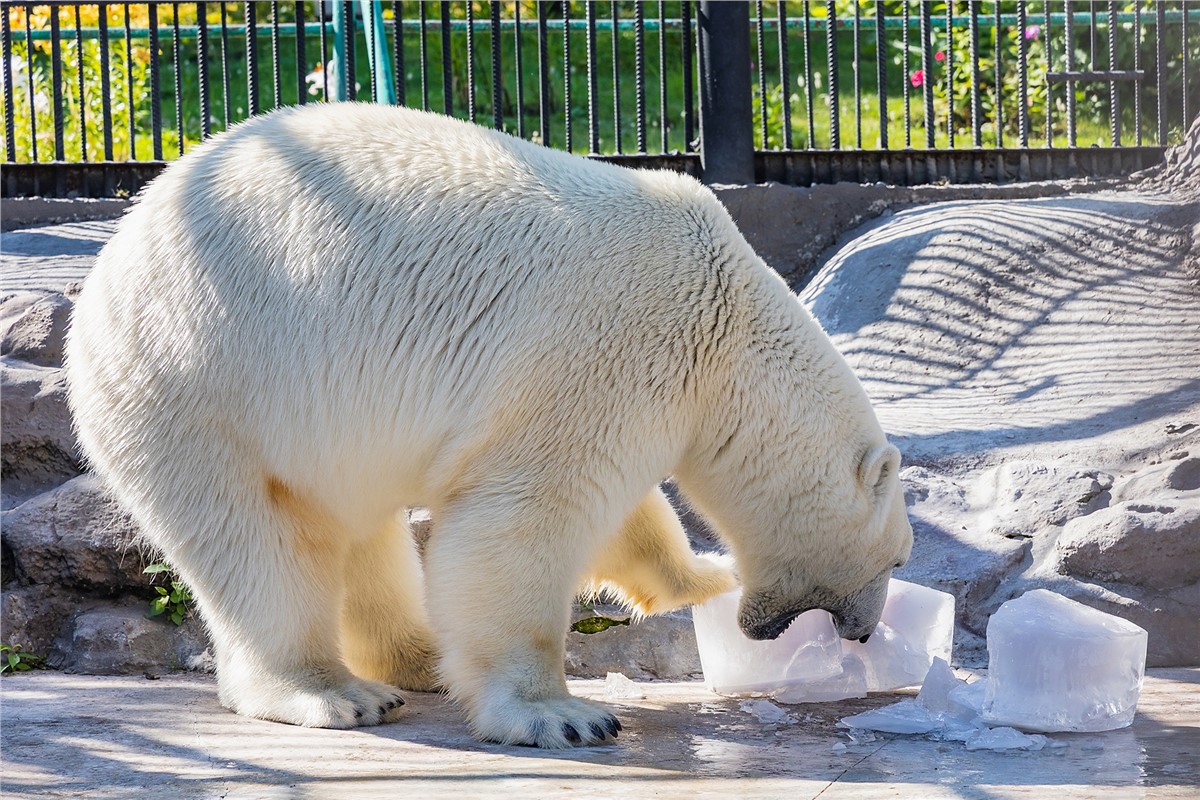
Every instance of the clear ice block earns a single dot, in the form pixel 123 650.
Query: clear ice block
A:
pixel 809 650
pixel 1058 665
pixel 917 627
pixel 809 663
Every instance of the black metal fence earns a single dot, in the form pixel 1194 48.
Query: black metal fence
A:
pixel 97 96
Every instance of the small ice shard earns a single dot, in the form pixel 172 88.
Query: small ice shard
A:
pixel 619 687
pixel 940 680
pixel 1058 665
pixel 766 711
pixel 861 735
pixel 809 650
pixel 852 682
pixel 917 626
pixel 1004 739
pixel 907 716
pixel 968 699
pixel 838 748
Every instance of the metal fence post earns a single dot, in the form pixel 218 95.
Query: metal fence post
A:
pixel 726 116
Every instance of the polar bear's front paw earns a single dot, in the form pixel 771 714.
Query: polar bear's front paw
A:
pixel 555 723
pixel 350 704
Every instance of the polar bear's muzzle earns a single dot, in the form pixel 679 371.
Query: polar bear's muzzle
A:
pixel 855 616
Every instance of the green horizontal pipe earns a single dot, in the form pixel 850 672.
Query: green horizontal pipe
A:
pixel 1057 20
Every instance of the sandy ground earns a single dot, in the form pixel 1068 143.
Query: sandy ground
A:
pixel 89 737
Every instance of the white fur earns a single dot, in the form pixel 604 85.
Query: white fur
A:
pixel 332 313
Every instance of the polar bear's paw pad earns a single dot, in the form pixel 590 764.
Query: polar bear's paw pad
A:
pixel 553 723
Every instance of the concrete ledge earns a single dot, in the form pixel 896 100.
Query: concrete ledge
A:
pixel 26 212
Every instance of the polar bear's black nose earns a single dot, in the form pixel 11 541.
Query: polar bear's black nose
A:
pixel 863 640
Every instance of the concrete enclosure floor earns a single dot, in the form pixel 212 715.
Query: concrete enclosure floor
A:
pixel 71 736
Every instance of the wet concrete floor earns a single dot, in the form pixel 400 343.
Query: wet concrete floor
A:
pixel 70 736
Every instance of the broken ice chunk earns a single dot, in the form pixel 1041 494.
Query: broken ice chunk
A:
pixel 1004 739
pixel 619 687
pixel 766 711
pixel 852 682
pixel 809 650
pixel 969 699
pixel 917 627
pixel 939 682
pixel 907 716
pixel 1058 665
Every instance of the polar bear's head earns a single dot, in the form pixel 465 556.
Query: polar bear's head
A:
pixel 796 473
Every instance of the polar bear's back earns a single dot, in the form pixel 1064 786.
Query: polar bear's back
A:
pixel 371 275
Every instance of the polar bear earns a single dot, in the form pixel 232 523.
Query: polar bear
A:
pixel 331 313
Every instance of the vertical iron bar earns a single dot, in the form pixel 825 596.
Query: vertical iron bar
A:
pixel 662 72
pixel 1160 20
pixel 424 56
pixel 810 138
pixel 907 82
pixel 224 66
pixel 1137 66
pixel 785 73
pixel 130 110
pixel 324 45
pixel 1185 68
pixel 881 74
pixel 33 139
pixel 398 54
pixel 760 30
pixel 369 34
pixel 1022 77
pixel 177 68
pixel 999 34
pixel 726 115
pixel 593 89
pixel 689 91
pixel 1114 98
pixel 831 59
pixel 276 88
pixel 155 86
pixel 926 71
pixel 447 89
pixel 1069 65
pixel 301 55
pixel 470 8
pixel 1047 40
pixel 857 75
pixel 948 60
pixel 1092 35
pixel 543 72
pixel 10 126
pixel 639 74
pixel 56 76
pixel 976 105
pixel 252 107
pixel 616 75
pixel 517 62
pixel 566 17
pixel 79 80
pixel 350 68
pixel 202 65
pixel 497 94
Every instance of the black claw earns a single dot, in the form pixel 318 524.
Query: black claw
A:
pixel 382 710
pixel 357 714
pixel 613 724
pixel 617 723
pixel 571 734
pixel 597 731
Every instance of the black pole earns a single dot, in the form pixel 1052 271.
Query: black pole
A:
pixel 726 116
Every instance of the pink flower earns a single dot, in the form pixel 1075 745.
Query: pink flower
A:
pixel 1033 32
pixel 939 56
pixel 917 78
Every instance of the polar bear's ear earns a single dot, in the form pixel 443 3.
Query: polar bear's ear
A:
pixel 877 466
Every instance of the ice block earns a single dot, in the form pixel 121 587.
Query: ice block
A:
pixel 917 627
pixel 809 650
pixel 809 663
pixel 1058 665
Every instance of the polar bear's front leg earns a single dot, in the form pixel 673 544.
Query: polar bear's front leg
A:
pixel 502 575
pixel 650 566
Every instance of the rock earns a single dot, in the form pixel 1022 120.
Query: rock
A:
pixel 656 647
pixel 1025 497
pixel 38 445
pixel 37 335
pixel 1151 544
pixel 75 537
pixel 120 639
pixel 34 617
